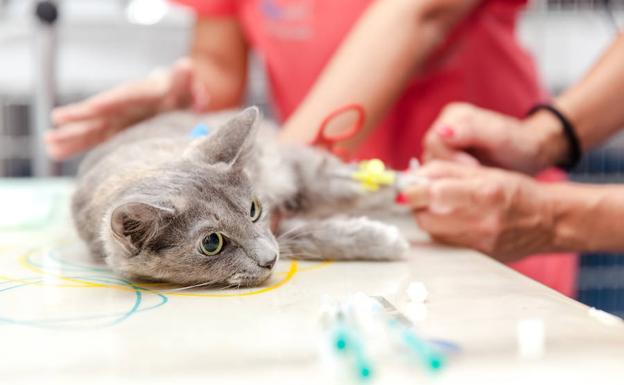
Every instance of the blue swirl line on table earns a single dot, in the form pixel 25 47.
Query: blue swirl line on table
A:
pixel 56 258
pixel 119 317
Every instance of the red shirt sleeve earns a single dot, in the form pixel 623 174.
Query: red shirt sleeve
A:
pixel 210 7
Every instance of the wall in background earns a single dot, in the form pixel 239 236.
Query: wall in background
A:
pixel 99 46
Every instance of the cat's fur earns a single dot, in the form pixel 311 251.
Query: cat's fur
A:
pixel 146 199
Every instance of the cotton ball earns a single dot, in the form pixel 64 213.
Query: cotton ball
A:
pixel 417 292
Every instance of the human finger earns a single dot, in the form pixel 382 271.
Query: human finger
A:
pixel 74 138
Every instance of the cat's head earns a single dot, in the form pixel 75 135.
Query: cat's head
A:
pixel 199 220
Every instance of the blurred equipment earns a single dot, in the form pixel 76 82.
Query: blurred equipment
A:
pixel 146 12
pixel 46 13
pixel 97 49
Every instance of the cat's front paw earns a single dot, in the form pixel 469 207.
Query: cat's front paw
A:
pixel 380 241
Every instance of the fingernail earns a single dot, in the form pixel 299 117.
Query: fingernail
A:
pixel 401 199
pixel 445 131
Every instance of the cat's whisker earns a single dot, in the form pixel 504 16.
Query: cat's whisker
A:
pixel 300 234
pixel 304 256
pixel 287 244
pixel 294 229
pixel 227 287
pixel 297 233
pixel 293 240
pixel 289 235
pixel 212 282
pixel 224 286
pixel 284 246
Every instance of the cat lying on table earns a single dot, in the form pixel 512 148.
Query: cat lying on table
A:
pixel 158 204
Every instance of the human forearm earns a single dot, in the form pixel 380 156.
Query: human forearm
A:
pixel 586 217
pixel 593 106
pixel 219 54
pixel 387 46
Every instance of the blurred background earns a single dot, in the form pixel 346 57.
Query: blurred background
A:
pixel 101 43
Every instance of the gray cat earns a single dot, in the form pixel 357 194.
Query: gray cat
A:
pixel 158 204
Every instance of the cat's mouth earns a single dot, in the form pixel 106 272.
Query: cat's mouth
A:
pixel 245 279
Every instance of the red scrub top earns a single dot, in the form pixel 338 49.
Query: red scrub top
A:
pixel 481 62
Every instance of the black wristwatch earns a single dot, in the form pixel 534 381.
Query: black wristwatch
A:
pixel 574 146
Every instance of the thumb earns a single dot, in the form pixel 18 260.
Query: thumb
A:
pixel 462 137
pixel 447 195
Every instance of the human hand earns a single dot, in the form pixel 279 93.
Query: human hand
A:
pixel 85 124
pixel 470 135
pixel 503 214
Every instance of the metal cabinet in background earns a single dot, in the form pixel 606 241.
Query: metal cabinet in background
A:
pixel 101 43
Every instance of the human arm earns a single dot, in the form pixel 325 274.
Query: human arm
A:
pixel 509 215
pixel 469 134
pixel 219 53
pixel 389 44
pixel 211 78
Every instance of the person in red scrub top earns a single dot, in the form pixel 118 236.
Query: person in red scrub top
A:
pixel 401 60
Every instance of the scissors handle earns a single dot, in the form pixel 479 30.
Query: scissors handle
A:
pixel 328 141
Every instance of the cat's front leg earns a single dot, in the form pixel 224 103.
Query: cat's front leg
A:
pixel 325 186
pixel 340 238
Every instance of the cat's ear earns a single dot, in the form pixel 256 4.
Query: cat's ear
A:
pixel 135 223
pixel 234 142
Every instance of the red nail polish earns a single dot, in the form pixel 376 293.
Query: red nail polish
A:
pixel 445 131
pixel 401 199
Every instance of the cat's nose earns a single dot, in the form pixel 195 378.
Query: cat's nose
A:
pixel 268 264
pixel 265 252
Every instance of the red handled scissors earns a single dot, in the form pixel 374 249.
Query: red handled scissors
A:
pixel 342 124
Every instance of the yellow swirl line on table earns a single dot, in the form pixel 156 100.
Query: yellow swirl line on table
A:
pixel 294 265
pixel 318 266
pixel 35 281
pixel 24 262
pixel 6 278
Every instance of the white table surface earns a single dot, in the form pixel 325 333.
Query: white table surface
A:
pixel 66 320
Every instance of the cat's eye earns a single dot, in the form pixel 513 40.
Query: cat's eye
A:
pixel 211 244
pixel 256 210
